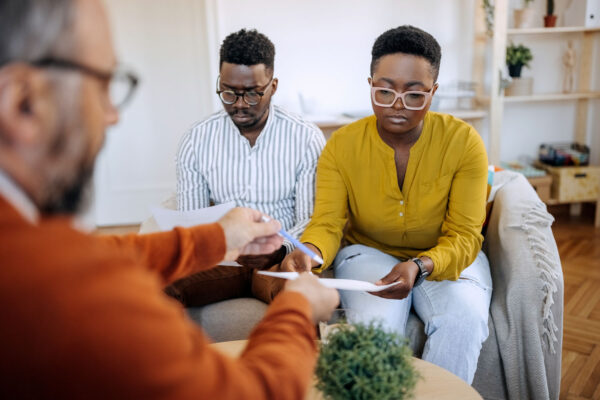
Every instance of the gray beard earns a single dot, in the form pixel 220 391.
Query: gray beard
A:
pixel 72 198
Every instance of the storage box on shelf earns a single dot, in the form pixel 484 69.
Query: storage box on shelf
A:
pixel 574 184
pixel 542 185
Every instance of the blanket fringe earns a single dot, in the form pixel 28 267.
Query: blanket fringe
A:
pixel 538 216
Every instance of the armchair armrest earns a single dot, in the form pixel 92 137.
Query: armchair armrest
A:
pixel 528 289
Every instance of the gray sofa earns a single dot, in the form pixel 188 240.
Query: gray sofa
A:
pixel 521 359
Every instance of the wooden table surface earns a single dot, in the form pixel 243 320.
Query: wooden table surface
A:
pixel 436 382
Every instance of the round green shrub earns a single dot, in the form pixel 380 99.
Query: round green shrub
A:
pixel 365 362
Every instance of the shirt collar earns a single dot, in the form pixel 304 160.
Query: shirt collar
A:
pixel 266 128
pixel 17 198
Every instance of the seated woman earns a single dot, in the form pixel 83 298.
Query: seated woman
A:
pixel 411 184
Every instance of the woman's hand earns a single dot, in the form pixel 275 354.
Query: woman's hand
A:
pixel 404 274
pixel 298 261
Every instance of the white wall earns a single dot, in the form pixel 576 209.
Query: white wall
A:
pixel 166 44
pixel 324 47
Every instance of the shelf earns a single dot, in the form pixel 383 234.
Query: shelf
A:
pixel 551 97
pixel 560 29
pixel 555 202
pixel 466 114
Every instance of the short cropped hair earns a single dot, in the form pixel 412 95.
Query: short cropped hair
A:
pixel 248 47
pixel 409 40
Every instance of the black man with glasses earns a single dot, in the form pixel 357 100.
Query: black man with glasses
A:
pixel 412 186
pixel 253 153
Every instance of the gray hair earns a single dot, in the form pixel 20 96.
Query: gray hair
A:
pixel 31 30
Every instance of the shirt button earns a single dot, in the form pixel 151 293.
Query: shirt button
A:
pixel 401 214
pixel 401 202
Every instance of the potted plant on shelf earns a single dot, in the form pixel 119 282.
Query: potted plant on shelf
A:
pixel 550 18
pixel 524 17
pixel 361 361
pixel 517 57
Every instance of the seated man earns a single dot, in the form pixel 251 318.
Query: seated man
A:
pixel 84 317
pixel 253 153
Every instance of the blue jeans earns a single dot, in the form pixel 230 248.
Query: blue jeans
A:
pixel 455 313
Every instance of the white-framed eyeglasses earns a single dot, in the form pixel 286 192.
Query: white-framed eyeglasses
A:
pixel 412 99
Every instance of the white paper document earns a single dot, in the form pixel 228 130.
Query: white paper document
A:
pixel 168 219
pixel 343 284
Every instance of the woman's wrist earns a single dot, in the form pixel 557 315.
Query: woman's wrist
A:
pixel 316 250
pixel 428 262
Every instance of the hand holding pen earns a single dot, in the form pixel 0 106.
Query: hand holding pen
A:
pixel 305 256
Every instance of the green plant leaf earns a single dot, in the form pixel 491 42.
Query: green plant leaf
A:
pixel 518 55
pixel 362 361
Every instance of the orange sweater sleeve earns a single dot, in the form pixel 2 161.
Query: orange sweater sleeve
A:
pixel 139 346
pixel 174 254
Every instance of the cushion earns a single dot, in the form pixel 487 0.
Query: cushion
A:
pixel 229 319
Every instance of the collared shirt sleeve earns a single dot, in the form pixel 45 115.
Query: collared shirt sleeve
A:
pixel 192 188
pixel 305 186
pixel 461 238
pixel 325 228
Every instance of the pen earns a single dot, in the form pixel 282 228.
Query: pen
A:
pixel 296 243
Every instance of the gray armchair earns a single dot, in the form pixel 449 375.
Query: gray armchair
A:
pixel 521 359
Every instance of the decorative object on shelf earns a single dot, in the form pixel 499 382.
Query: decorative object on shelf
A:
pixel 569 59
pixel 524 17
pixel 517 57
pixel 488 8
pixel 362 361
pixel 455 95
pixel 561 154
pixel 550 17
pixel 582 13
pixel 526 169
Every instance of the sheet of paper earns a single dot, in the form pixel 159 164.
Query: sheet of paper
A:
pixel 343 284
pixel 168 219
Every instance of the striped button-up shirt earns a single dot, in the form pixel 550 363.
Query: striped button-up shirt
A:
pixel 215 164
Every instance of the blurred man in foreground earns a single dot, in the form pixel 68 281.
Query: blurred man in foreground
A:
pixel 84 316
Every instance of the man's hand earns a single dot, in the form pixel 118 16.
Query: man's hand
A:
pixel 405 274
pixel 246 234
pixel 323 300
pixel 263 261
pixel 298 261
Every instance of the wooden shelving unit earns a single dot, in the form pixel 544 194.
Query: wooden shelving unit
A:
pixel 552 97
pixel 546 31
pixel 495 98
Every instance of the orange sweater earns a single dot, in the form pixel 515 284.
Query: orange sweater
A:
pixel 84 317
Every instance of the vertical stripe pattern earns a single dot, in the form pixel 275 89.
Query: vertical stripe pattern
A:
pixel 215 163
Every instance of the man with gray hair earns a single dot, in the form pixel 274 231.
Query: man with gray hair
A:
pixel 84 316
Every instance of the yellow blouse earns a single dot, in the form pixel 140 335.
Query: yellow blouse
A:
pixel 438 213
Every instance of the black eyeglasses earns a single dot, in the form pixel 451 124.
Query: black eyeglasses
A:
pixel 251 97
pixel 122 83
